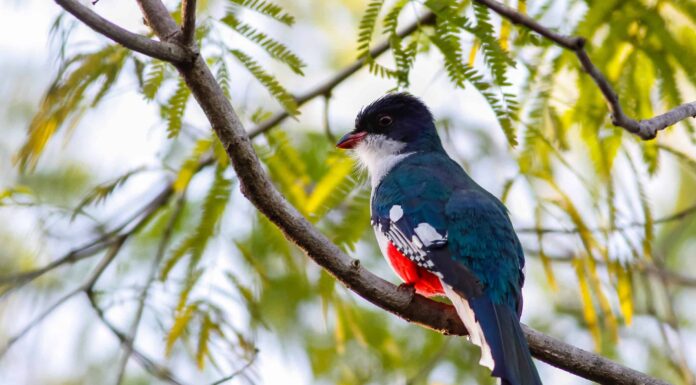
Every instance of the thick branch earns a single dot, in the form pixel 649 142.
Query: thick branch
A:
pixel 157 49
pixel 576 360
pixel 515 17
pixel 188 27
pixel 645 129
pixel 159 19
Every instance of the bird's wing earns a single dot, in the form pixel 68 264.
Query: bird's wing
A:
pixel 482 238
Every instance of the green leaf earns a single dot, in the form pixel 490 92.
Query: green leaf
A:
pixel 287 169
pixel 352 225
pixel 203 341
pixel 195 243
pixel 173 110
pixel 588 309
pixel 274 48
pixel 181 321
pixel 332 188
pixel 222 75
pixel 495 56
pixel 153 79
pixel 191 164
pixel 366 28
pixel 268 81
pixel 624 288
pixel 267 8
pixel 64 103
pixel 101 192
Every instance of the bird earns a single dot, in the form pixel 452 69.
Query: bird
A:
pixel 442 233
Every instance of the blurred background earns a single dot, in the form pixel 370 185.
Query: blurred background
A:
pixel 120 219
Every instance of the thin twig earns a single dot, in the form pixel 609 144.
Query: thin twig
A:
pixel 571 231
pixel 157 370
pixel 158 49
pixel 93 247
pixel 645 129
pixel 238 371
pixel 90 281
pixel 642 266
pixel 161 249
pixel 326 121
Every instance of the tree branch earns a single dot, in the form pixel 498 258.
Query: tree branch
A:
pixel 158 49
pixel 159 19
pixel 645 129
pixel 188 28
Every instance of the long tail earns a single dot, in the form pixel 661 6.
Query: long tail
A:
pixel 496 329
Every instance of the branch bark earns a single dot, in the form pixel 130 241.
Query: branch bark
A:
pixel 188 15
pixel 645 129
pixel 257 187
pixel 158 49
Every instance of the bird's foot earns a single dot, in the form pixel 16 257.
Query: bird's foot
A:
pixel 408 288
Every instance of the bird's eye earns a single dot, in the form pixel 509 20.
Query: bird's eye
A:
pixel 385 120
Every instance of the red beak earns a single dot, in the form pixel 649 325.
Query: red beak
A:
pixel 351 139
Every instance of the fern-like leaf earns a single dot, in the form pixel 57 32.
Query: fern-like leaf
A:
pixel 222 75
pixel 403 56
pixel 181 322
pixel 267 8
pixel 366 28
pixel 63 105
pixel 495 56
pixel 173 110
pixel 194 245
pixel 274 48
pixel 190 164
pixel 100 193
pixel 268 81
pixel 153 79
pixel 346 233
pixel 504 105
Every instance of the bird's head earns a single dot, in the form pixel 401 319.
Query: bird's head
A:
pixel 394 123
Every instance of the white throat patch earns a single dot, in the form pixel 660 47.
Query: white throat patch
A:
pixel 379 154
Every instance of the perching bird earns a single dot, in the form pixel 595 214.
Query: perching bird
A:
pixel 441 232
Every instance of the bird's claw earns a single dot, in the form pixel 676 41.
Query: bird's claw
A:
pixel 408 288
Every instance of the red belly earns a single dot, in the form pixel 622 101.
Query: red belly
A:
pixel 425 282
